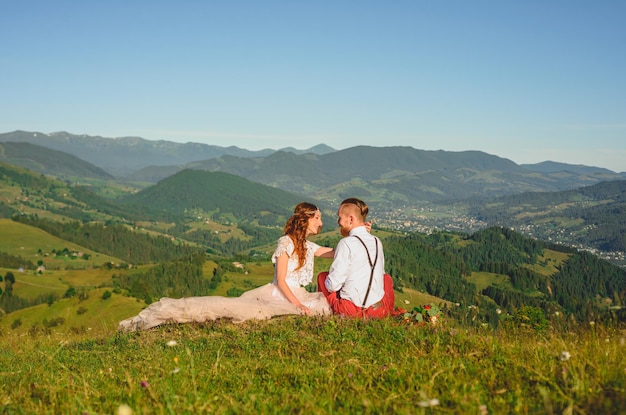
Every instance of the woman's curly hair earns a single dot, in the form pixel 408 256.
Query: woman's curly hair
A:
pixel 296 228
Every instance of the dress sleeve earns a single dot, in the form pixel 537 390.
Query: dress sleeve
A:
pixel 284 245
pixel 312 246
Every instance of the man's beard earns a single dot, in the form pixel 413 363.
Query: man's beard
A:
pixel 344 231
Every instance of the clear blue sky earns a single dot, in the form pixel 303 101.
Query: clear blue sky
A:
pixel 529 80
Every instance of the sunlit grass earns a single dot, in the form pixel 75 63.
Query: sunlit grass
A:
pixel 317 366
pixel 483 280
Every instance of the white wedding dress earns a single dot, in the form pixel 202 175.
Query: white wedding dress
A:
pixel 260 303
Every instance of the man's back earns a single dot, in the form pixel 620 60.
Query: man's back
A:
pixel 351 269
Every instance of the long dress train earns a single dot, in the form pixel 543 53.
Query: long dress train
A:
pixel 260 303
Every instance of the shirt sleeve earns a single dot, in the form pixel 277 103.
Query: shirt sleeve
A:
pixel 338 272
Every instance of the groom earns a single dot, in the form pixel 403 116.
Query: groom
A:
pixel 356 284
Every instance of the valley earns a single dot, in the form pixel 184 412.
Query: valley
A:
pixel 464 228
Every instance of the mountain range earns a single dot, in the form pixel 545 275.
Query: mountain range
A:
pixel 233 206
pixel 470 185
pixel 124 155
pixel 389 176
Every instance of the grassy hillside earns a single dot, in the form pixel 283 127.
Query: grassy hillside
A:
pixel 36 245
pixel 313 366
pixel 88 314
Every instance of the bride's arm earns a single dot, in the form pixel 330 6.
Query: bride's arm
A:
pixel 281 283
pixel 325 252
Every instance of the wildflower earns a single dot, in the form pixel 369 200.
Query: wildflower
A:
pixel 144 384
pixel 565 356
pixel 592 323
pixel 429 403
pixel 172 343
pixel 124 410
pixel 407 302
pixel 175 359
pixel 483 409
pixel 176 370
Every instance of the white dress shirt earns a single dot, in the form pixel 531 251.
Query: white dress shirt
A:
pixel 350 271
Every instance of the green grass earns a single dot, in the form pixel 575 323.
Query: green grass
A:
pixel 483 280
pixel 31 285
pixel 316 366
pixel 93 314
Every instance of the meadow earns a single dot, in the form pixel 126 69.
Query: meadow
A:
pixel 305 365
pixel 66 356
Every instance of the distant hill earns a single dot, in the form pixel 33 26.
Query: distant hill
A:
pixel 48 161
pixel 388 176
pixel 27 192
pixel 124 155
pixel 191 191
pixel 393 176
pixel 318 149
pixel 592 216
pixel 555 167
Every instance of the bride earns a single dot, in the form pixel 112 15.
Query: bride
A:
pixel 293 260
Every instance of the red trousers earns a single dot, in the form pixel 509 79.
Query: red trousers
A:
pixel 348 308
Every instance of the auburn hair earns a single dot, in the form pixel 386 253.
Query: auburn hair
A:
pixel 296 228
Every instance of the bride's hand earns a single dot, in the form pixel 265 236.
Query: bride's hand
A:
pixel 368 226
pixel 305 310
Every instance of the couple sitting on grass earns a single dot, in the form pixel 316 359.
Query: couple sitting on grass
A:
pixel 355 286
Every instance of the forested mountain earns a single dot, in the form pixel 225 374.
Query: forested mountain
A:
pixel 50 162
pixel 390 176
pixel 555 167
pixel 199 192
pixel 521 271
pixel 124 155
pixel 592 216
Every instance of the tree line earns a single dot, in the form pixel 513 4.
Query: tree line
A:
pixel 115 240
pixel 182 277
pixel 584 285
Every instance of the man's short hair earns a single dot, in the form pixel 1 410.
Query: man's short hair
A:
pixel 361 206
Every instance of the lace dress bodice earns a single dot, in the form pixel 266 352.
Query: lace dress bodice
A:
pixel 303 276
